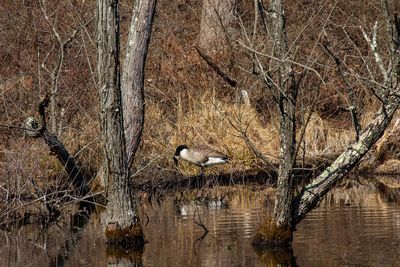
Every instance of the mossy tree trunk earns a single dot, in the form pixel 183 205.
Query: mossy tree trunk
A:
pixel 117 96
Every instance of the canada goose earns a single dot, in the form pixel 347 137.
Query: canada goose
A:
pixel 202 157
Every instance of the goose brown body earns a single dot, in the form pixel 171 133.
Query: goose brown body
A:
pixel 200 156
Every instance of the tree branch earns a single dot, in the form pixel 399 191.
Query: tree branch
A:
pixel 352 104
pixel 374 49
pixel 216 68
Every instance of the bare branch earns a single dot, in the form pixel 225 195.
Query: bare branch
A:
pixel 374 49
pixel 56 73
pixel 352 105
pixel 389 26
pixel 286 60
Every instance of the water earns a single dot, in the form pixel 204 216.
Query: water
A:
pixel 357 227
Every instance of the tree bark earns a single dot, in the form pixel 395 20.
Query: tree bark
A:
pixel 317 189
pixel 287 108
pixel 133 74
pixel 277 231
pixel 123 226
pixel 216 19
pixel 289 210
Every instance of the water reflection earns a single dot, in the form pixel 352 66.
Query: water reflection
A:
pixel 357 225
pixel 277 258
pixel 228 242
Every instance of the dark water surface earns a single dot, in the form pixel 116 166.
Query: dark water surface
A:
pixel 357 227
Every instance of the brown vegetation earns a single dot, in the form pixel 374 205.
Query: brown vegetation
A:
pixel 186 101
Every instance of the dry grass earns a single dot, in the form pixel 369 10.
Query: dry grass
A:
pixel 212 121
pixel 192 106
pixel 324 138
pixel 206 121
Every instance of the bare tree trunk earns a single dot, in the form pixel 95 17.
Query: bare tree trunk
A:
pixel 287 108
pixel 216 19
pixel 133 74
pixel 123 226
pixel 281 80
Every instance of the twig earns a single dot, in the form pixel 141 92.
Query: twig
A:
pixel 85 146
pixel 204 228
pixel 249 143
pixel 282 60
pixel 305 124
pixel 15 127
pixel 56 73
pixel 352 106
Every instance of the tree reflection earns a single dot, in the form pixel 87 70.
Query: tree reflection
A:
pixel 121 257
pixel 279 257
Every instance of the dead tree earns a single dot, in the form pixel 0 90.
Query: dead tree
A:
pixel 387 94
pixel 122 114
pixel 56 116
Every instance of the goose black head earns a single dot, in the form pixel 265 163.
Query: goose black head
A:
pixel 178 152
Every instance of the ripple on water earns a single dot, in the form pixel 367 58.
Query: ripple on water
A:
pixel 332 235
pixel 343 235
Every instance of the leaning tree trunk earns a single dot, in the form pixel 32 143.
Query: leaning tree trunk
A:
pixel 388 95
pixel 123 226
pixel 317 189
